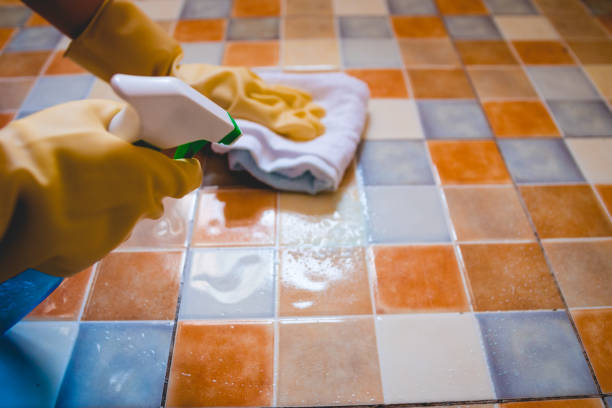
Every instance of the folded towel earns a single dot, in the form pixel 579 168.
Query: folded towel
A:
pixel 313 166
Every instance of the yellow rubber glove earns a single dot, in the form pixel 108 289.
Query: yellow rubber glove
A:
pixel 122 39
pixel 71 191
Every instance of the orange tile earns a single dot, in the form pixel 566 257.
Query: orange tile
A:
pixel 520 119
pixel 65 302
pixel 595 329
pixel 583 270
pixel 570 403
pixel 485 53
pixel 577 26
pixel 606 21
pixel 235 217
pixel 468 162
pixel 506 82
pixel 570 211
pixel 135 286
pixel 5 118
pixel 200 30
pixel 312 7
pixel 251 54
pixel 256 8
pixel 222 365
pixel 298 27
pixel 413 279
pixel 461 7
pixel 36 20
pixel 428 52
pixel 440 83
pixel 509 277
pixel 606 195
pixel 418 27
pixel 485 213
pixel 592 52
pixel 542 52
pixel 22 63
pixel 5 35
pixel 383 83
pixel 62 65
pixel 324 281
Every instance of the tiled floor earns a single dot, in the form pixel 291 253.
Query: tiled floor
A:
pixel 466 259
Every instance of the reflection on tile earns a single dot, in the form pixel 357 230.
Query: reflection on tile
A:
pixel 34 357
pixel 416 358
pixel 453 119
pixel 323 281
pixel 390 162
pixel 583 270
pixel 234 283
pixel 526 28
pixel 582 118
pixel 359 7
pixel 566 211
pixel 300 27
pixel 520 119
pixel 593 157
pixel 592 51
pixel 322 52
pixel 510 6
pixel 202 53
pixel 53 90
pixel 253 29
pixel 539 161
pixel 13 93
pixel 461 7
pixel 509 277
pixel 29 63
pixel 542 52
pixel 485 53
pixel 440 83
pixel 412 279
pixel 534 354
pixel 412 7
pixel 418 27
pixel 383 83
pixel 65 302
pixel 222 365
pixel 402 214
pixel 485 213
pixel 14 16
pixel 601 75
pixel 472 28
pixel 428 52
pixel 562 83
pixel 256 8
pixel 197 9
pixel 568 403
pixel 364 27
pixel 308 7
pixel 595 328
pixel 117 364
pixel 135 286
pixel 34 39
pixel 251 54
pixel 382 53
pixel 393 119
pixel 199 30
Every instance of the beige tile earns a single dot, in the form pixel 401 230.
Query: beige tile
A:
pixel 601 75
pixel 393 119
pixel 160 9
pixel 506 82
pixel 311 52
pixel 526 28
pixel 594 156
pixel 357 7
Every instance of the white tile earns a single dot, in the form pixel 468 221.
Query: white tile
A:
pixel 427 358
pixel 161 9
pixel 393 119
pixel 360 7
pixel 594 157
pixel 526 28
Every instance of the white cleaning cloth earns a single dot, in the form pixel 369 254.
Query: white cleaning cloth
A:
pixel 316 165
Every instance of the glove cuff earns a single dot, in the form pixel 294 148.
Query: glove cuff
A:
pixel 122 39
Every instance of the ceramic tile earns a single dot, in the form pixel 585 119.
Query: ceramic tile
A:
pixel 256 8
pixel 582 118
pixel 102 90
pixel 428 52
pixel 229 364
pixel 608 401
pixel 601 75
pixel 14 92
pixel 316 52
pixel 323 281
pixel 5 119
pixel 599 6
pixel 416 358
pixel 22 63
pixel 308 27
pixel 418 27
pixel 319 355
pixel 509 277
pixel 594 328
pixel 510 6
pixel 200 30
pixel 606 195
pixel 383 83
pixel 606 21
pixel 312 7
pixel 394 162
pixel 485 53
pixel 65 302
pixel 34 39
pixel 202 53
pixel 542 52
pixel 593 157
pixel 440 83
pixel 577 26
pixel 14 16
pixel 382 53
pixel 251 54
pixel 592 51
pixel 534 354
pixel 526 28
pixel 160 9
pixel 405 214
pixel 461 6
pixel 520 119
pixel 552 7
pixel 412 7
pixel 447 119
pixel 539 161
pixel 198 9
pixel 565 83
pixel 417 279
pixel 583 270
pixel 390 119
pixel 485 213
pixel 236 283
pixel 117 365
pixel 241 29
pixel 472 28
pixel 359 7
pixel 568 403
pixel 61 65
pixel 135 286
pixel 566 211
pixel 364 27
pixel 53 90
pixel 235 217
pixel 218 174
pixel 34 358
pixel 503 82
pixel 5 35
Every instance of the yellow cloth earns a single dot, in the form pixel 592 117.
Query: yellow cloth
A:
pixel 71 191
pixel 122 39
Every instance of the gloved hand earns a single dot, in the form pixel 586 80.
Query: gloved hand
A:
pixel 71 191
pixel 122 39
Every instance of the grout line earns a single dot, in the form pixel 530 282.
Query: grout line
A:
pixel 277 283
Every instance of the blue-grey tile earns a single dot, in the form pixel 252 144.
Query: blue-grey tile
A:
pixel 561 83
pixel 412 7
pixel 392 162
pixel 117 364
pixel 582 118
pixel 202 53
pixel 198 9
pixel 23 114
pixel 405 214
pixel 609 402
pixel 539 161
pixel 511 6
pixel 534 354
pixel 229 283
pixel 13 16
pixel 35 39
pixel 51 90
pixel 453 120
pixel 472 28
pixel 253 29
pixel 364 27
pixel 381 53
